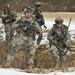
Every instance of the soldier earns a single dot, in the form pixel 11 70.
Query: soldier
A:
pixel 8 17
pixel 58 38
pixel 26 26
pixel 39 18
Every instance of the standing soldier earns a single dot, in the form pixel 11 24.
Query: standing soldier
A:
pixel 39 18
pixel 8 17
pixel 26 26
pixel 58 39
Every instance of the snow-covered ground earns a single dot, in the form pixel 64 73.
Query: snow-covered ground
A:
pixel 18 72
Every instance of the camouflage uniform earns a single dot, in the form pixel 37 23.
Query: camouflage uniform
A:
pixel 23 39
pixel 58 54
pixel 8 17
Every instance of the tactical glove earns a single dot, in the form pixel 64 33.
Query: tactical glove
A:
pixel 40 30
pixel 45 27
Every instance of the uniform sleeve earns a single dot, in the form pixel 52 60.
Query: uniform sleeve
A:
pixel 68 38
pixel 14 14
pixel 34 23
pixel 33 13
pixel 4 15
pixel 17 23
pixel 50 34
pixel 36 26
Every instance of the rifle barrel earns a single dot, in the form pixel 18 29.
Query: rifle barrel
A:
pixel 69 22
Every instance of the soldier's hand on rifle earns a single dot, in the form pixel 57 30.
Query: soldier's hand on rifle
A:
pixel 40 30
pixel 39 20
pixel 44 24
pixel 45 27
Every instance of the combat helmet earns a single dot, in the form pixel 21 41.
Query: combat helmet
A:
pixel 7 5
pixel 37 4
pixel 58 20
pixel 27 9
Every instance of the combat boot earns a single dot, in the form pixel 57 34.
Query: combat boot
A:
pixel 62 68
pixel 56 66
pixel 7 65
pixel 29 69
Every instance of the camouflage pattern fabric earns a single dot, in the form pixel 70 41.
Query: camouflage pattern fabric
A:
pixel 20 40
pixel 58 54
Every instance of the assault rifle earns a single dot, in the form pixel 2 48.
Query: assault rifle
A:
pixel 27 26
pixel 40 19
pixel 61 40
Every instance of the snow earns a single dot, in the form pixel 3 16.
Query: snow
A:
pixel 44 40
pixel 17 72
